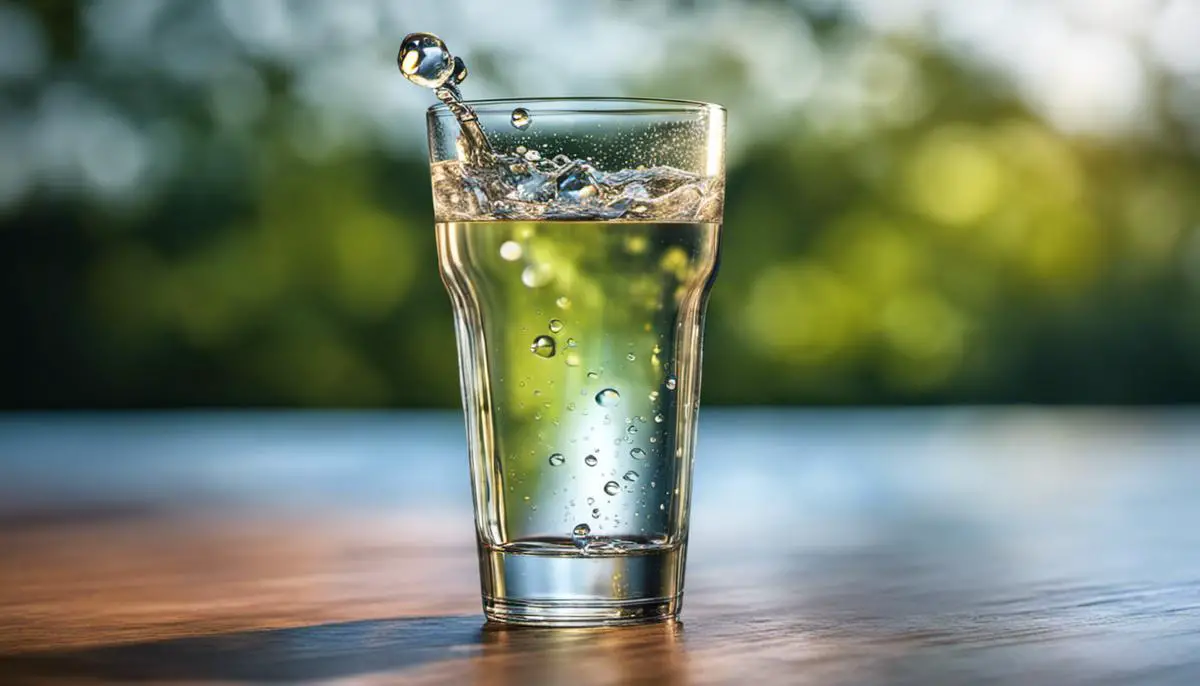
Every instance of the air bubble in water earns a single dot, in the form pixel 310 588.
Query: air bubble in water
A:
pixel 556 460
pixel 653 396
pixel 591 500
pixel 631 429
pixel 572 359
pixel 563 302
pixel 609 397
pixel 510 251
pixel 536 275
pixel 590 460
pixel 631 357
pixel 637 454
pixel 543 346
pixel 425 60
pixel 671 383
pixel 521 119
pixel 658 418
pixel 631 476
pixel 556 325
pixel 612 488
pixel 595 513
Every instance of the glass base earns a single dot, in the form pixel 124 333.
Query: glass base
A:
pixel 561 588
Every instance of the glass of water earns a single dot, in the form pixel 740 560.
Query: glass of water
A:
pixel 579 252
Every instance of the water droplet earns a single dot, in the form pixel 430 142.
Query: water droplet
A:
pixel 671 383
pixel 591 500
pixel 595 513
pixel 543 346
pixel 556 460
pixel 612 488
pixel 631 429
pixel 521 119
pixel 631 357
pixel 510 251
pixel 590 460
pixel 631 476
pixel 556 325
pixel 425 60
pixel 537 275
pixel 654 439
pixel 563 302
pixel 572 359
pixel 608 398
pixel 637 454
pixel 658 419
pixel 570 407
pixel 591 375
pixel 571 343
pixel 653 396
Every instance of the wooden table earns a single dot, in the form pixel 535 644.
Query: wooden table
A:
pixel 835 547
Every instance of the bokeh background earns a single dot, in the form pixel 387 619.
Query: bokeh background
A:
pixel 226 202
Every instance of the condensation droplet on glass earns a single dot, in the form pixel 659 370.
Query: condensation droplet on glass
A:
pixel 671 383
pixel 631 429
pixel 631 357
pixel 608 397
pixel 590 460
pixel 637 454
pixel 520 118
pixel 556 460
pixel 511 251
pixel 543 346
pixel 612 488
pixel 631 476
pixel 556 325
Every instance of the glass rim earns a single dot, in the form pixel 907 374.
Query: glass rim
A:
pixel 580 105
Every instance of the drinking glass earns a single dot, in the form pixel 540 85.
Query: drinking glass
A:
pixel 579 340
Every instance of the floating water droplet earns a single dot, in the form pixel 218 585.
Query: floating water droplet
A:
pixel 595 513
pixel 658 419
pixel 590 460
pixel 521 119
pixel 460 70
pixel 671 383
pixel 612 488
pixel 425 60
pixel 631 476
pixel 556 460
pixel 631 357
pixel 556 325
pixel 580 534
pixel 563 302
pixel 543 346
pixel 510 251
pixel 537 275
pixel 637 454
pixel 609 397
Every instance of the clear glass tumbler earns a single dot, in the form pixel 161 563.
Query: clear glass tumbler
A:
pixel 579 301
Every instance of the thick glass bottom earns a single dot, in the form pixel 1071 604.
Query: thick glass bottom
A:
pixel 561 587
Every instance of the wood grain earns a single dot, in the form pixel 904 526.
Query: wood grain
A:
pixel 1080 578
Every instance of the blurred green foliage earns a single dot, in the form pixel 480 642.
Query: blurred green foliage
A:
pixel 960 251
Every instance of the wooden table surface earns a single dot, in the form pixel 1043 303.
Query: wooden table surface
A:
pixel 836 547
